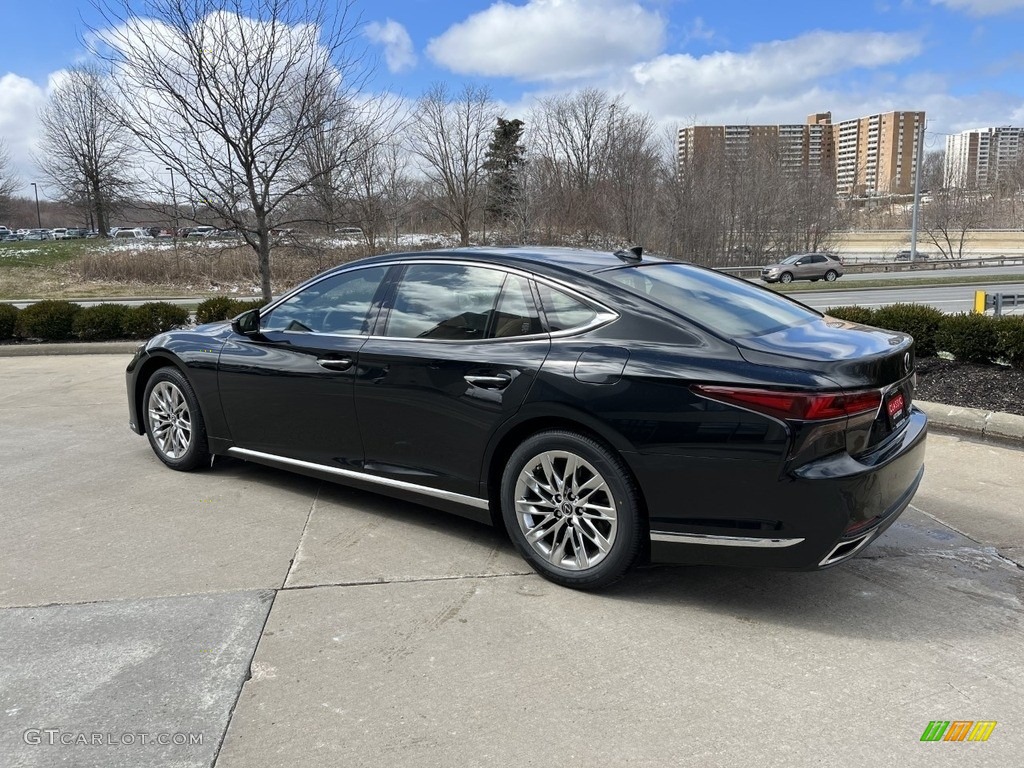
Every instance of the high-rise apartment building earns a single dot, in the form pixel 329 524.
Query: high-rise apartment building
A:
pixel 798 147
pixel 876 154
pixel 977 159
pixel 868 155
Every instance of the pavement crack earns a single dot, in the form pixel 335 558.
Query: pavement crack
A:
pixel 411 580
pixel 302 537
pixel 246 679
pixel 987 548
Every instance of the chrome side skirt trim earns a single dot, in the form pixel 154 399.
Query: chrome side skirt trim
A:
pixel 671 537
pixel 348 474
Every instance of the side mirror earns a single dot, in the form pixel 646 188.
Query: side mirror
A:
pixel 247 323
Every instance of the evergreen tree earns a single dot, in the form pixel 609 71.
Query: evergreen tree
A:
pixel 505 156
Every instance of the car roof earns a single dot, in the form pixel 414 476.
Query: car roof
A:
pixel 550 260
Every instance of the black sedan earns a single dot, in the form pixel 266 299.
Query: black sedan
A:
pixel 603 408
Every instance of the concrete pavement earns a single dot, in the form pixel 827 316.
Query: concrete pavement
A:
pixel 291 622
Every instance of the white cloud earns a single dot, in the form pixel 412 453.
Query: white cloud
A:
pixel 398 49
pixel 20 101
pixel 982 7
pixel 550 39
pixel 781 69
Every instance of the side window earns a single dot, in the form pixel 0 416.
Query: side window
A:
pixel 444 301
pixel 562 311
pixel 342 304
pixel 516 314
pixel 818 259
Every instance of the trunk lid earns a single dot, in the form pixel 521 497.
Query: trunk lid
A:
pixel 856 357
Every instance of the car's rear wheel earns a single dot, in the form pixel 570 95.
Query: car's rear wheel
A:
pixel 785 277
pixel 174 422
pixel 571 508
pixel 831 275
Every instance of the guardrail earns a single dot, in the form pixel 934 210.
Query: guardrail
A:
pixel 851 268
pixel 997 302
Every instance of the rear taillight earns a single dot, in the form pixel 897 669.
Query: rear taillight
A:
pixel 803 406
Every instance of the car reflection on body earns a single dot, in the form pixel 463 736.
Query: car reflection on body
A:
pixel 603 408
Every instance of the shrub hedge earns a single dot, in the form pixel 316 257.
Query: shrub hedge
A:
pixel 920 321
pixel 51 320
pixel 1010 339
pixel 853 314
pixel 101 322
pixel 152 318
pixel 968 337
pixel 223 308
pixel 8 321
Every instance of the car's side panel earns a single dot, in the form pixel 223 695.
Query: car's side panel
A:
pixel 279 395
pixel 422 417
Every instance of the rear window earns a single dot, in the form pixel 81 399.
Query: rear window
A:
pixel 724 305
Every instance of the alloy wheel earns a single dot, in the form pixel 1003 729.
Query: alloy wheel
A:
pixel 170 420
pixel 565 510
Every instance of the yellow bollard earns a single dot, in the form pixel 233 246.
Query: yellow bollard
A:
pixel 979 302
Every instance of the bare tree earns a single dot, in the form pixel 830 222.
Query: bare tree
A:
pixel 949 219
pixel 450 134
pixel 85 151
pixel 229 93
pixel 571 136
pixel 9 181
pixel 632 171
pixel 380 189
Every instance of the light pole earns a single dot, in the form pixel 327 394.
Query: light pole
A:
pixel 39 221
pixel 174 202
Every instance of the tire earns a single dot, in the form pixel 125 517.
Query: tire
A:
pixel 831 275
pixel 586 545
pixel 786 277
pixel 174 423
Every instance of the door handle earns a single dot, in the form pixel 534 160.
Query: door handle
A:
pixel 498 381
pixel 335 363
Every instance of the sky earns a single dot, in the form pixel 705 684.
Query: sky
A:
pixel 683 61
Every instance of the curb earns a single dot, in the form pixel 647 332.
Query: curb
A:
pixel 976 422
pixel 71 348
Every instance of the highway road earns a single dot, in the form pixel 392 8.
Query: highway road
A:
pixel 948 298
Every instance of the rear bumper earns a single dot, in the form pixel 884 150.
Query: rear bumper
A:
pixel 819 516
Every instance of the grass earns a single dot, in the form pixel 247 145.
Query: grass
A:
pixel 42 253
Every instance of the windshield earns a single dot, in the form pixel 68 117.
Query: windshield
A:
pixel 724 305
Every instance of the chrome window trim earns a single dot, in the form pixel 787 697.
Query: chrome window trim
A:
pixel 349 474
pixel 671 537
pixel 604 314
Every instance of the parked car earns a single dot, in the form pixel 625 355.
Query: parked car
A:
pixel 804 266
pixel 59 233
pixel 4 231
pixel 135 233
pixel 909 255
pixel 11 237
pixel 38 234
pixel 201 231
pixel 596 405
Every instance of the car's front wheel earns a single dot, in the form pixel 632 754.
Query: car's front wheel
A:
pixel 571 508
pixel 174 422
pixel 785 277
pixel 831 275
